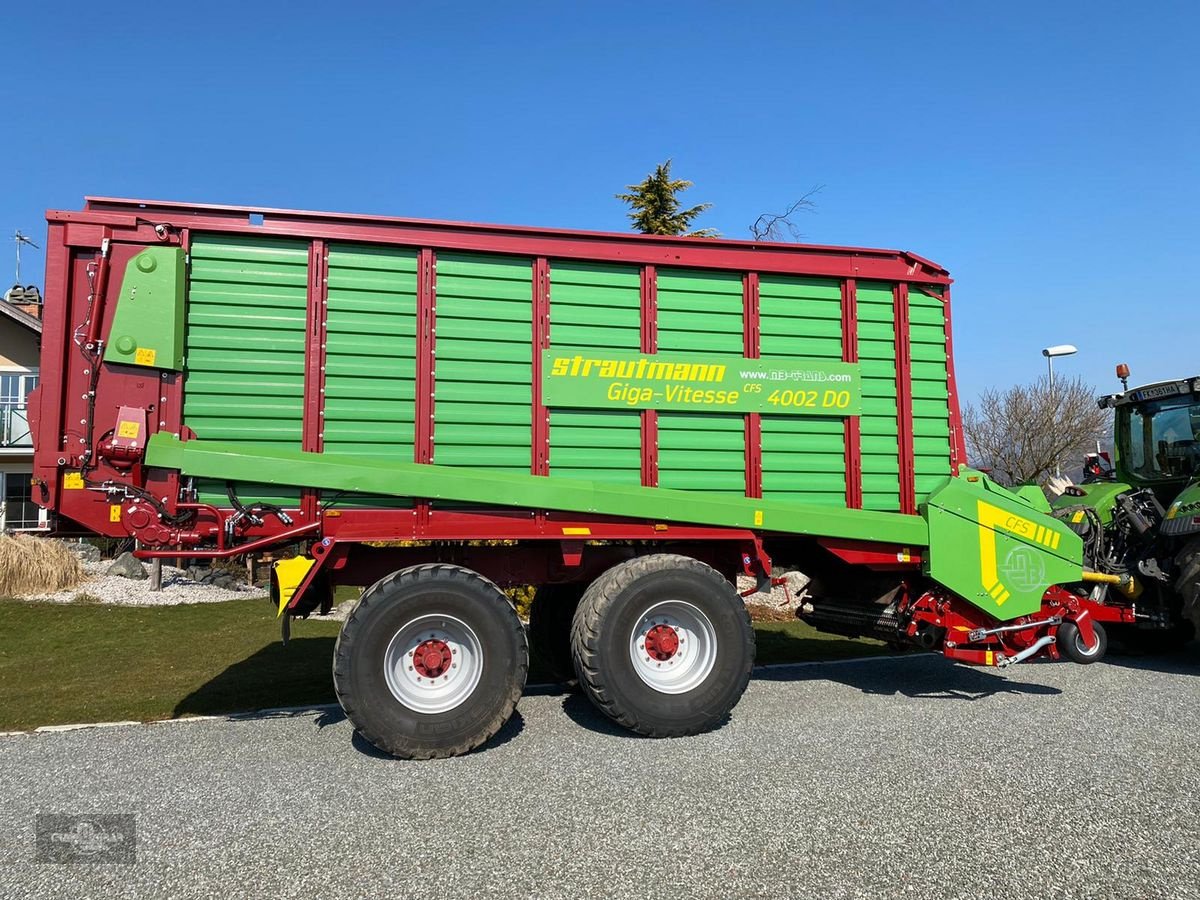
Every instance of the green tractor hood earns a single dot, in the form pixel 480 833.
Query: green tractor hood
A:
pixel 1183 515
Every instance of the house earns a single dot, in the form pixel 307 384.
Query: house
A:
pixel 20 347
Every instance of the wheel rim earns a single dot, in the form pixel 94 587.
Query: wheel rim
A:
pixel 433 663
pixel 673 647
pixel 1083 648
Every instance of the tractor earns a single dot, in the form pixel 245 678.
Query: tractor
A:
pixel 1138 513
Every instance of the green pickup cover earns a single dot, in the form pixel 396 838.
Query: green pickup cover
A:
pixel 996 551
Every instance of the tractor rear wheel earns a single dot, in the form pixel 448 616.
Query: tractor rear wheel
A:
pixel 431 662
pixel 662 644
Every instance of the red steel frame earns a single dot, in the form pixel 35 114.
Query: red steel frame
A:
pixel 649 338
pixel 852 427
pixel 131 223
pixel 904 401
pixel 958 444
pixel 752 341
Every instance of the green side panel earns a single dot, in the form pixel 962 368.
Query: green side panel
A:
pixel 1033 496
pixel 349 473
pixel 370 357
pixel 595 307
pixel 930 392
pixel 701 311
pixel 147 328
pixel 244 381
pixel 484 368
pixel 702 452
pixel 803 458
pixel 994 550
pixel 878 426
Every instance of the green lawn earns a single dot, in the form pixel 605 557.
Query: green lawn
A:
pixel 89 663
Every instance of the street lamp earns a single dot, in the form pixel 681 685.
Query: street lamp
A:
pixel 1057 350
pixel 1050 353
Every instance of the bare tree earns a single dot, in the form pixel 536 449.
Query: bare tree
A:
pixel 1022 433
pixel 771 226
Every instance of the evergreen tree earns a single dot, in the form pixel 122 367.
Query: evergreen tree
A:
pixel 654 205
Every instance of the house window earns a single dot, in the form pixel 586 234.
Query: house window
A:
pixel 14 418
pixel 20 512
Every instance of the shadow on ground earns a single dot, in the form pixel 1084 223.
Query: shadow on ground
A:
pixel 296 675
pixel 1183 661
pixel 919 675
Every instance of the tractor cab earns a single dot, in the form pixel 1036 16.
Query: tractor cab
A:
pixel 1157 434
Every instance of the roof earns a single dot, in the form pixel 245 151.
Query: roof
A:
pixel 33 323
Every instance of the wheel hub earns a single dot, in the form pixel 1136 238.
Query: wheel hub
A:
pixel 432 658
pixel 673 647
pixel 662 642
pixel 433 663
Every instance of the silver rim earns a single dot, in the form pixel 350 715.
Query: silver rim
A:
pixel 673 647
pixel 446 673
pixel 1084 648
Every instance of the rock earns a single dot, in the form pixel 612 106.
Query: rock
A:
pixel 127 566
pixel 85 552
pixel 225 580
pixel 199 574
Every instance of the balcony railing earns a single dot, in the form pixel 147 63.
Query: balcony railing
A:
pixel 14 427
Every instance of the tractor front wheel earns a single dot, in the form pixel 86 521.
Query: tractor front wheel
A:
pixel 1187 584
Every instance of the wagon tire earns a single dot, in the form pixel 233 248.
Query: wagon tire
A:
pixel 1070 642
pixel 550 617
pixel 430 662
pixel 663 645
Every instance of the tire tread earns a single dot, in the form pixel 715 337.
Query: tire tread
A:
pixel 353 628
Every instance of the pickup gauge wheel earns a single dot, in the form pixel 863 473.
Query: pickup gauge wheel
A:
pixel 1070 642
pixel 663 645
pixel 431 662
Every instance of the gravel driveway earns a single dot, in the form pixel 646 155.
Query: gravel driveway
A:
pixel 904 777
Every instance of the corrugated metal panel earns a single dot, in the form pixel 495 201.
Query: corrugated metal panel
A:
pixel 877 360
pixel 594 307
pixel 701 312
pixel 244 381
pixel 803 457
pixel 370 357
pixel 931 404
pixel 484 369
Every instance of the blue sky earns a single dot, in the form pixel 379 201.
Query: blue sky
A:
pixel 1047 154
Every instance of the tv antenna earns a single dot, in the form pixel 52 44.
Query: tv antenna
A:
pixel 20 239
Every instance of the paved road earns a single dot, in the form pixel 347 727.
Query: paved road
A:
pixel 906 777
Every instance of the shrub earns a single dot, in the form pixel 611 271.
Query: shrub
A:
pixel 32 565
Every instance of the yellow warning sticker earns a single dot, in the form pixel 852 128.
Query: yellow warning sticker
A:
pixel 72 481
pixel 145 356
pixel 114 512
pixel 1078 517
pixel 579 531
pixel 758 517
pixel 128 429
